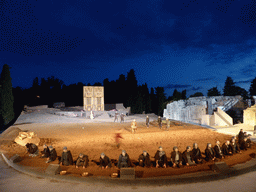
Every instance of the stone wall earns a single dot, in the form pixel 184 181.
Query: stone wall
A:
pixel 249 116
pixel 200 109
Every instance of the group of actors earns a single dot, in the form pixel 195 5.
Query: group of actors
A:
pixel 159 121
pixel 121 117
pixel 134 123
pixel 188 157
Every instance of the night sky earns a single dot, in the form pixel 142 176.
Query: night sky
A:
pixel 192 45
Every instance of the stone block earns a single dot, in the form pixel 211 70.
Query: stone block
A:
pixel 15 159
pixel 127 173
pixel 53 169
pixel 221 167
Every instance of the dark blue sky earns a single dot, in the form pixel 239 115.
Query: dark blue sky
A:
pixel 184 44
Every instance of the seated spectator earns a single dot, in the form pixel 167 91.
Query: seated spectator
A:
pixel 240 136
pixel 160 157
pixel 188 157
pixel 32 149
pixel 45 152
pixel 248 141
pixel 209 153
pixel 105 161
pixel 82 160
pixel 176 157
pixel 124 160
pixel 197 154
pixel 243 144
pixel 227 149
pixel 235 147
pixel 53 155
pixel 144 159
pixel 218 150
pixel 66 157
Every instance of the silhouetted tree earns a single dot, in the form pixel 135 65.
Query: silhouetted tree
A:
pixel 160 95
pixel 242 92
pixel 138 106
pixel 153 101
pixel 131 91
pixel 229 88
pixel 6 96
pixel 213 92
pixel 146 98
pixel 176 95
pixel 97 84
pixel 197 94
pixel 19 100
pixel 253 87
pixel 121 87
pixel 183 94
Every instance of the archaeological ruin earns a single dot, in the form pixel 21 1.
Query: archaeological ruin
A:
pixel 93 98
pixel 211 111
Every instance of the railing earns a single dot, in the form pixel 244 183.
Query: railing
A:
pixel 230 104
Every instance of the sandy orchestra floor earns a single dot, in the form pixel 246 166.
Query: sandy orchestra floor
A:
pixel 94 138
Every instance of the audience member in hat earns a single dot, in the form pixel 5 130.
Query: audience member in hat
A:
pixel 144 159
pixel 124 160
pixel 188 157
pixel 176 157
pixel 66 157
pixel 32 149
pixel 45 152
pixel 197 154
pixel 240 136
pixel 218 150
pixel 210 153
pixel 160 158
pixel 105 161
pixel 248 141
pixel 82 160
pixel 235 147
pixel 53 155
pixel 227 149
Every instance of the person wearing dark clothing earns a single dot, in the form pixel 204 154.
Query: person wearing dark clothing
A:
pixel 240 136
pixel 248 141
pixel 227 149
pixel 147 122
pixel 144 159
pixel 176 157
pixel 124 160
pixel 66 157
pixel 235 147
pixel 243 144
pixel 45 152
pixel 104 161
pixel 159 122
pixel 209 153
pixel 218 150
pixel 32 149
pixel 188 157
pixel 197 154
pixel 53 155
pixel 82 160
pixel 160 157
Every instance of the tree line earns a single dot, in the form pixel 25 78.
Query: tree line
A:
pixel 123 90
